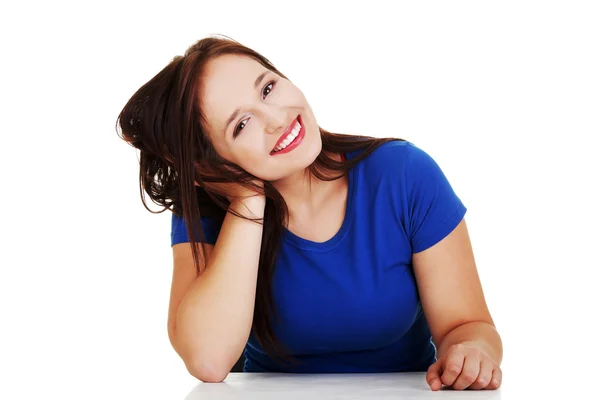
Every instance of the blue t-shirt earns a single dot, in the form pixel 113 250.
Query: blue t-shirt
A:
pixel 351 304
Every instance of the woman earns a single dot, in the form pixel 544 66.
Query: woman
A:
pixel 312 251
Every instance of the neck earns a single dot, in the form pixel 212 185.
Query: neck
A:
pixel 302 191
pixel 299 188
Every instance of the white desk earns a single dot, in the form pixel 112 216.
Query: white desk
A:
pixel 397 386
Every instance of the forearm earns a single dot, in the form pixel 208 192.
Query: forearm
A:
pixel 215 316
pixel 480 334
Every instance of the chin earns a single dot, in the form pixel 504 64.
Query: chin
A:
pixel 295 161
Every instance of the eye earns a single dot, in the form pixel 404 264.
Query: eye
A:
pixel 243 123
pixel 269 84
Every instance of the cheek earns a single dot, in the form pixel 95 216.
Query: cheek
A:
pixel 253 160
pixel 254 149
pixel 262 167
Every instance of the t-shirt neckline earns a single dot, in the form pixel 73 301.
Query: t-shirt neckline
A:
pixel 306 244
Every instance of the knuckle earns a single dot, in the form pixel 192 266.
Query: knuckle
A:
pixel 470 375
pixel 453 368
pixel 448 377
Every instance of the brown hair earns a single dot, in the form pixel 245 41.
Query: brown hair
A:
pixel 164 121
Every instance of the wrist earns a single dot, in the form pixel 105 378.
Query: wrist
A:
pixel 251 207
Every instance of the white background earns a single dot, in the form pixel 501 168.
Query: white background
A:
pixel 504 95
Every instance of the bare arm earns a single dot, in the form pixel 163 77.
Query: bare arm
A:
pixel 212 324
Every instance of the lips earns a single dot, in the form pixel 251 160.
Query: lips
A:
pixel 287 131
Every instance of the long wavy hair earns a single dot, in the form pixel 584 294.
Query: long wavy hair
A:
pixel 164 121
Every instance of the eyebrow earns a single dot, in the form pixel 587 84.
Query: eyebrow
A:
pixel 237 110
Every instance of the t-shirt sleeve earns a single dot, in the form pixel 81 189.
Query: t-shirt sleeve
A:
pixel 434 208
pixel 179 234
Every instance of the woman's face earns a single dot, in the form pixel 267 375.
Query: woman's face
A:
pixel 250 110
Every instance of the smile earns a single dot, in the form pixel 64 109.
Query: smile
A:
pixel 291 138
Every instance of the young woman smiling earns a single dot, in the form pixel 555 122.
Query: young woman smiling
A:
pixel 303 250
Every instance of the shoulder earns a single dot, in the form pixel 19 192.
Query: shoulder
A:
pixel 390 158
pixel 402 165
pixel 397 156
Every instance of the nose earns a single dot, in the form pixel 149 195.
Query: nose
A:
pixel 276 122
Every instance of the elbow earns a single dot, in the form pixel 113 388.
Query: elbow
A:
pixel 208 372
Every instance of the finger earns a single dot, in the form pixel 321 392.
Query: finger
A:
pixel 433 376
pixel 496 380
pixel 469 374
pixel 452 367
pixel 485 375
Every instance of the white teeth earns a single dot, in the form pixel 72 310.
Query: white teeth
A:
pixel 289 138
